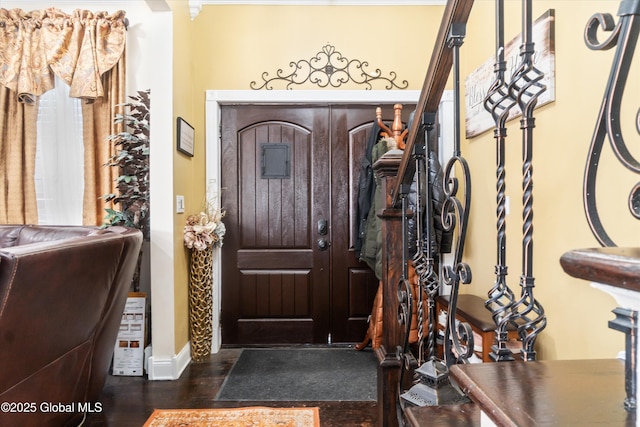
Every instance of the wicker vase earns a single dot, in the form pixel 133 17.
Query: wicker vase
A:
pixel 201 303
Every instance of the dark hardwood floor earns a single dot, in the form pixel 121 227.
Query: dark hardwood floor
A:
pixel 129 401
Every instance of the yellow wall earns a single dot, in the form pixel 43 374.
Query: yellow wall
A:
pixel 239 43
pixel 189 176
pixel 227 47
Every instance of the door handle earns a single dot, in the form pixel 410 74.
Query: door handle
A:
pixel 323 227
pixel 323 244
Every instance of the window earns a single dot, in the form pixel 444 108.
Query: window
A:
pixel 59 172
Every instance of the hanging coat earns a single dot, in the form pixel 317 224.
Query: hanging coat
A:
pixel 372 245
pixel 366 189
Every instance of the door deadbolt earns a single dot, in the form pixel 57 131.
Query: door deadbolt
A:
pixel 323 227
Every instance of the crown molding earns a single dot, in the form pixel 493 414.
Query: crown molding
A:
pixel 195 6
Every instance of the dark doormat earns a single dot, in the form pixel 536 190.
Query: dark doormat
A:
pixel 316 374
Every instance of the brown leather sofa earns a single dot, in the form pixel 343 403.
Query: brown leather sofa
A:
pixel 62 294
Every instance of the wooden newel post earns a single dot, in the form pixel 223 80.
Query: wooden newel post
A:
pixel 386 169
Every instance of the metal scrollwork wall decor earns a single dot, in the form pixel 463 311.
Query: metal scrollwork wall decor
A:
pixel 328 68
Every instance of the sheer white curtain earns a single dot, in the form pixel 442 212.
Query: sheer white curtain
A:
pixel 59 173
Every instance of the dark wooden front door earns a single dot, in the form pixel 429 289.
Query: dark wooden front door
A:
pixel 289 180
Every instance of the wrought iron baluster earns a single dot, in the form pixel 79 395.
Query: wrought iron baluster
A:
pixel 405 313
pixel 626 321
pixel 405 297
pixel 526 87
pixel 423 259
pixel 624 34
pixel 458 339
pixel 422 263
pixel 499 103
pixel 433 386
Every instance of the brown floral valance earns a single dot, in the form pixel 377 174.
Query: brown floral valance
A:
pixel 79 48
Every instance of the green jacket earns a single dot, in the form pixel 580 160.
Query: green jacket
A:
pixel 372 246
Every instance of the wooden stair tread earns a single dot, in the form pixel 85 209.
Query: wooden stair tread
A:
pixel 547 393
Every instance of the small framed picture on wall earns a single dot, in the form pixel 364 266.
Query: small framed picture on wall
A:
pixel 185 137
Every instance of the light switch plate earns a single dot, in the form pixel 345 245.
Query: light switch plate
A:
pixel 179 204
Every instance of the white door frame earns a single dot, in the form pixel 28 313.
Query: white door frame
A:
pixel 215 98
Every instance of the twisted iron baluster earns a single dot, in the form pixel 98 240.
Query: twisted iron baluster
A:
pixel 458 339
pixel 499 103
pixel 423 260
pixel 405 297
pixel 405 312
pixel 526 87
pixel 624 34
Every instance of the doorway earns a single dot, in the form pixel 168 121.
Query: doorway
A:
pixel 291 275
pixel 216 99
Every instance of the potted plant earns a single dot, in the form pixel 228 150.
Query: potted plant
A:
pixel 132 160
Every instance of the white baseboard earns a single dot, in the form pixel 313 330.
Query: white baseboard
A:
pixel 169 368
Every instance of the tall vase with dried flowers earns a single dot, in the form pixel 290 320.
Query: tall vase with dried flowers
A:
pixel 202 233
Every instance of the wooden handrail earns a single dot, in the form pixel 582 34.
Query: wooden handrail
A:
pixel 456 12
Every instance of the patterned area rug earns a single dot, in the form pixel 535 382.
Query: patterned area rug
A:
pixel 235 417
